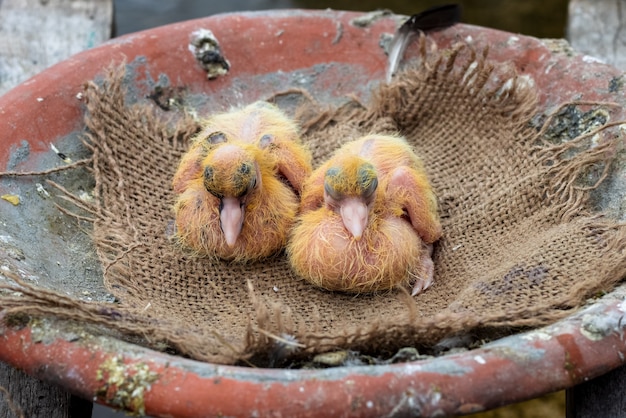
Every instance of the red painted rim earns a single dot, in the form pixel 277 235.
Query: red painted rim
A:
pixel 508 370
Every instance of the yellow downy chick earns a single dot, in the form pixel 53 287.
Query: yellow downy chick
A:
pixel 368 219
pixel 237 187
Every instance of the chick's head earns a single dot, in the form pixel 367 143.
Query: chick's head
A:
pixel 229 169
pixel 231 174
pixel 351 177
pixel 349 188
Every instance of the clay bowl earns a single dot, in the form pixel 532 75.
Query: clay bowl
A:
pixel 330 53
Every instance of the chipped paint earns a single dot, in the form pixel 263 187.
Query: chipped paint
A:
pixel 18 154
pixel 445 367
pixel 596 327
pixel 516 351
pixel 367 19
pixel 592 59
pixel 559 46
pixel 123 385
pixel 536 335
pixel 512 40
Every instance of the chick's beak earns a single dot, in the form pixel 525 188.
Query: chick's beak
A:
pixel 231 218
pixel 354 213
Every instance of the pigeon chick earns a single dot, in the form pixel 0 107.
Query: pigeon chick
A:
pixel 368 220
pixel 237 188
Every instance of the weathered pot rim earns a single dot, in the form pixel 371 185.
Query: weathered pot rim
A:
pixel 511 369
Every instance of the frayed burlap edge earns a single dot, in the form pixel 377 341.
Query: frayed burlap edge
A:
pixel 510 96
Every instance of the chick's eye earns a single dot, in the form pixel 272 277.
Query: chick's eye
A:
pixel 333 172
pixel 244 169
pixel 367 180
pixel 216 138
pixel 331 192
pixel 208 173
pixel 266 140
pixel 208 177
pixel 243 179
pixel 370 188
pixel 251 185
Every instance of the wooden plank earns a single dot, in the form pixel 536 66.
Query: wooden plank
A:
pixel 599 397
pixel 32 398
pixel 35 34
pixel 598 28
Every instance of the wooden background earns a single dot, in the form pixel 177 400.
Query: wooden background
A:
pixel 35 34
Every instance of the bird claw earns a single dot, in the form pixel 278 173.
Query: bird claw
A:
pixel 427 273
pixel 421 285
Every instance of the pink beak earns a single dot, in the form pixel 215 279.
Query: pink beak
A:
pixel 231 219
pixel 354 213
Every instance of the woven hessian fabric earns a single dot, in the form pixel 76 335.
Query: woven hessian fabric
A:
pixel 520 247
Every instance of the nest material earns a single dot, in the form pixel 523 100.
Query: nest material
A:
pixel 520 246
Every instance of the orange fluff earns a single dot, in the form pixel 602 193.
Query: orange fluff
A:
pixel 368 220
pixel 237 188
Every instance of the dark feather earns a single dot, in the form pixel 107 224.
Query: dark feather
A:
pixel 437 17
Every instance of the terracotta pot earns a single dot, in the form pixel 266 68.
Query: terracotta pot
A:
pixel 277 47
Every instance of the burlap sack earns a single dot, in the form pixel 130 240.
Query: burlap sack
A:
pixel 520 248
